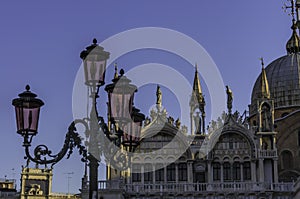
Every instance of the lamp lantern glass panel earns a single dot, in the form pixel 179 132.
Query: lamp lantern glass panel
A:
pixel 27 119
pixel 94 70
pixel 121 105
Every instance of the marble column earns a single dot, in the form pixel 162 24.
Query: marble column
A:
pixel 242 172
pixel 253 171
pixel 275 174
pixel 261 170
pixel 222 176
pixel 142 173
pixel 209 172
pixel 190 172
pixel 176 173
pixel 153 173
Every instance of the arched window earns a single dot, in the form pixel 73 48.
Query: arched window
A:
pixel 159 173
pixel 247 171
pixel 216 171
pixel 182 172
pixel 136 173
pixel 171 172
pixel 148 173
pixel 226 171
pixel 287 160
pixel 236 172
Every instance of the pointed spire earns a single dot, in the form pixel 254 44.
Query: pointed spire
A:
pixel 292 46
pixel 197 103
pixel 197 90
pixel 265 91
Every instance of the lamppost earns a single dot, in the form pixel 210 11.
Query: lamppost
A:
pixel 123 127
pixel 27 108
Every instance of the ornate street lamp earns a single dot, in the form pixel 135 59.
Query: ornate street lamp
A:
pixel 94 59
pixel 27 108
pixel 120 103
pixel 125 120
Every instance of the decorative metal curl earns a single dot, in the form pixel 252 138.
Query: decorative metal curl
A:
pixel 116 157
pixel 120 161
pixel 42 155
pixel 84 122
pixel 113 154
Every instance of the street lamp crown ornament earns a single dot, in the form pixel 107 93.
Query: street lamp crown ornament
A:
pixel 89 49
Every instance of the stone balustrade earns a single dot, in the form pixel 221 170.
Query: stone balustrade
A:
pixel 196 187
pixel 267 153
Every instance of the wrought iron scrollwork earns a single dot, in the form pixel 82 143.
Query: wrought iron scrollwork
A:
pixel 120 160
pixel 44 156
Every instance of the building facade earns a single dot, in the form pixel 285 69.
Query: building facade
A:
pixel 36 183
pixel 8 189
pixel 248 156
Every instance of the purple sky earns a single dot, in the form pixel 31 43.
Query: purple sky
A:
pixel 41 43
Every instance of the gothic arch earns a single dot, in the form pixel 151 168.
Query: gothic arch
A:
pixel 247 158
pixel 236 158
pixel 287 159
pixel 246 135
pixel 148 159
pixel 226 159
pixel 265 103
pixel 243 133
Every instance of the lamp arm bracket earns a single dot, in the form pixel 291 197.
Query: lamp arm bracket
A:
pixel 42 154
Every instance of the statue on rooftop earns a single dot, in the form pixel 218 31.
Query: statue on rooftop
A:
pixel 229 99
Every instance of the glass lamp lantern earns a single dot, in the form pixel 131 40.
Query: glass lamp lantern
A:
pixel 94 60
pixel 27 108
pixel 120 99
pixel 132 131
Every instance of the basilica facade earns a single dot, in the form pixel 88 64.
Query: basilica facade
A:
pixel 250 155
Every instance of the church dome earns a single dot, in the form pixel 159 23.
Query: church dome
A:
pixel 283 76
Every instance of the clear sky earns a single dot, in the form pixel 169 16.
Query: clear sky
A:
pixel 40 43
